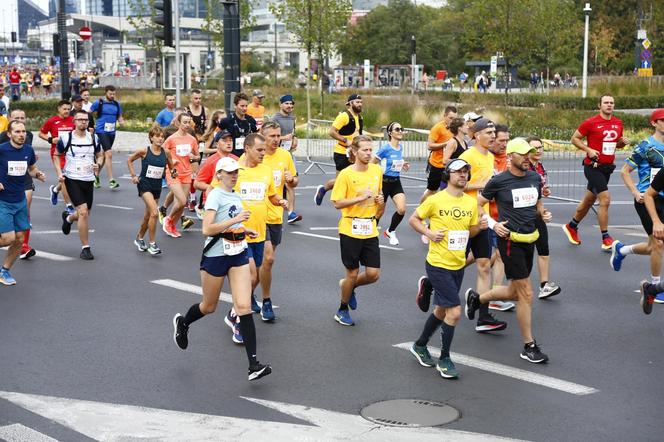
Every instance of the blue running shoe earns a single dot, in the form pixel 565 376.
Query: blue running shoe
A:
pixel 6 277
pixel 230 319
pixel 54 195
pixel 254 305
pixel 616 256
pixel 70 209
pixel 659 299
pixel 237 336
pixel 294 217
pixel 267 314
pixel 343 317
pixel 320 194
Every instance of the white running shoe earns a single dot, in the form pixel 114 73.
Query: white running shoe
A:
pixel 392 236
pixel 501 306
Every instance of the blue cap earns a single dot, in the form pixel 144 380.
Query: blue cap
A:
pixel 286 99
pixel 223 133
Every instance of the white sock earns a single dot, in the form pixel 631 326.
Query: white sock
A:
pixel 626 250
pixel 655 279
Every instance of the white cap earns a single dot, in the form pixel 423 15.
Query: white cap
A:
pixel 227 164
pixel 471 116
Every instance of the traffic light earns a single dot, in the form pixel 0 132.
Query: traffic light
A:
pixel 80 49
pixel 164 18
pixel 56 45
pixel 14 39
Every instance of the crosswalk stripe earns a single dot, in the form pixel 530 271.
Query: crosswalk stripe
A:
pixel 21 433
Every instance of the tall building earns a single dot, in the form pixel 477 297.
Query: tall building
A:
pixel 29 14
pixel 71 6
pixel 123 8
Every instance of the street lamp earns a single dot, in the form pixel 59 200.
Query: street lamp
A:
pixel 584 87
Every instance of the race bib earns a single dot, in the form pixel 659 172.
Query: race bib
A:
pixel 397 165
pixel 252 191
pixel 17 168
pixel 286 144
pixel 154 172
pixel 232 248
pixel 362 226
pixel 81 165
pixel 277 174
pixel 182 150
pixel 457 239
pixel 524 197
pixel 109 127
pixel 239 143
pixel 608 147
pixel 653 172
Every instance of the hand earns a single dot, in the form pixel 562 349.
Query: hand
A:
pixel 288 177
pixel 638 196
pixel 95 168
pixel 251 233
pixel 41 176
pixel 2 187
pixel 174 173
pixel 61 178
pixel 484 223
pixel 435 235
pixel 546 216
pixel 379 199
pixel 658 230
pixel 367 195
pixel 55 140
pixel 593 154
pixel 501 230
pixel 625 142
pixel 283 203
pixel 242 216
pixel 406 166
pixel 135 179
pixel 546 191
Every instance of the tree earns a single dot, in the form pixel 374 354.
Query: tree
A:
pixel 214 23
pixel 142 19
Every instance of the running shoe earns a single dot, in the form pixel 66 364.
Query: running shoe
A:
pixel 572 234
pixel 66 225
pixel 200 212
pixel 70 209
pixel 97 183
pixel 27 252
pixel 192 206
pixel 424 239
pixel 472 303
pixel 140 245
pixel 294 217
pixel 352 301
pixel 54 195
pixel 153 249
pixel 659 299
pixel 501 306
pixel 532 353
pixel 258 371
pixel 254 305
pixel 162 215
pixel 180 332
pixel 343 317
pixel 6 277
pixel 320 194
pixel 616 256
pixel 489 323
pixel 607 243
pixel 186 222
pixel 86 254
pixel 424 290
pixel 230 319
pixel 422 355
pixel 267 313
pixel 646 300
pixel 169 228
pixel 550 289
pixel 237 334
pixel 112 184
pixel 392 237
pixel 447 369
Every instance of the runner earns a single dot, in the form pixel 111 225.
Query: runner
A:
pixel 653 202
pixel 83 159
pixel 16 159
pixel 85 94
pixel 109 116
pixel 604 134
pixel 154 159
pixel 256 108
pixel 457 144
pixel 284 174
pixel 518 194
pixel 77 105
pixel 453 218
pixel 647 159
pixel 438 139
pixel 204 181
pixel 208 137
pixel 357 193
pixel 289 142
pixel 165 116
pixel 239 124
pixel 390 157
pixel 346 126
pixel 225 254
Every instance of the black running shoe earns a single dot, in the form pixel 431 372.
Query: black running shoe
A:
pixel 532 353
pixel 489 323
pixel 472 303
pixel 180 332
pixel 86 254
pixel 424 289
pixel 259 370
pixel 647 297
pixel 66 225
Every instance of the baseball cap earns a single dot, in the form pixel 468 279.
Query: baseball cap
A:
pixel 222 134
pixel 258 93
pixel 471 116
pixel 76 98
pixel 226 164
pixel 520 146
pixel 286 99
pixel 457 164
pixel 657 114
pixel 482 123
pixel 352 97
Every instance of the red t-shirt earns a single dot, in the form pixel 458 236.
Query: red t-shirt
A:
pixel 206 172
pixel 602 136
pixel 14 77
pixel 56 125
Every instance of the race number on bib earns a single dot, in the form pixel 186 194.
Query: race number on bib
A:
pixel 457 239
pixel 397 165
pixel 653 172
pixel 232 248
pixel 362 226
pixel 239 143
pixel 182 150
pixel 17 168
pixel 524 197
pixel 154 172
pixel 277 177
pixel 81 165
pixel 252 191
pixel 608 147
pixel 109 127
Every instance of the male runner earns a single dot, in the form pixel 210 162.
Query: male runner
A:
pixel 51 131
pixel 256 109
pixel 238 123
pixel 166 115
pixel 109 115
pixel 436 143
pixel 85 94
pixel 289 141
pixel 199 113
pixel 653 201
pixel 77 105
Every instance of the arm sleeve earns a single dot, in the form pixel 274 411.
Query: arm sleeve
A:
pixel 271 190
pixel 46 128
pixel 206 172
pixel 584 128
pixel 97 143
pixel 94 106
pixel 291 166
pixel 638 156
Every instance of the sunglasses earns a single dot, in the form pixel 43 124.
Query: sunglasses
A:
pixel 397 129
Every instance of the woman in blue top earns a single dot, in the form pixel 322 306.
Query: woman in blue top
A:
pixel 225 253
pixel 390 157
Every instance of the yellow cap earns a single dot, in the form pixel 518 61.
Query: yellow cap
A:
pixel 520 146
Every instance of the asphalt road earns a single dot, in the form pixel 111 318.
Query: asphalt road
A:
pixel 101 331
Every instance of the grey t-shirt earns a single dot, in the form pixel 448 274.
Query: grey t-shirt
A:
pixel 287 122
pixel 516 198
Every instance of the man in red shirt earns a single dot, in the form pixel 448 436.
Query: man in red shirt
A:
pixel 205 176
pixel 51 131
pixel 15 84
pixel 604 134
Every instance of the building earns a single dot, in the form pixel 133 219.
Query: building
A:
pixel 71 6
pixel 122 8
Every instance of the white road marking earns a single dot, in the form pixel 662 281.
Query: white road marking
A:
pixel 640 235
pixel 53 232
pixel 512 372
pixel 623 226
pixel 37 197
pixel 51 256
pixel 110 206
pixel 197 290
pixel 116 422
pixel 21 433
pixel 337 239
pixel 324 228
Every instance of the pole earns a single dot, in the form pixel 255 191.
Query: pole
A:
pixel 176 18
pixel 231 22
pixel 276 54
pixel 64 51
pixel 413 62
pixel 584 87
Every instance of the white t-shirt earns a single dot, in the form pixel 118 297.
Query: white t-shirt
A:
pixel 80 156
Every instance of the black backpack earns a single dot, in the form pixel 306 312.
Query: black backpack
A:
pixel 101 106
pixel 68 144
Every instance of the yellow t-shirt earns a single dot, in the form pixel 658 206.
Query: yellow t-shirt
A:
pixel 358 220
pixel 47 79
pixel 280 162
pixel 455 215
pixel 481 169
pixel 341 121
pixel 255 186
pixel 4 123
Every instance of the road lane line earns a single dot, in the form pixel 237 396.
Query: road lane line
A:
pixel 337 239
pixel 37 197
pixel 51 256
pixel 324 228
pixel 110 206
pixel 512 372
pixel 21 433
pixel 195 289
pixel 53 232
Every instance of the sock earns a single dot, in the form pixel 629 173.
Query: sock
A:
pixel 248 330
pixel 193 315
pixel 26 238
pixel 655 279
pixel 447 334
pixel 484 311
pixel 343 306
pixel 69 220
pixel 183 218
pixel 542 284
pixel 85 247
pixel 429 328
pixel 396 219
pixel 626 250
pixel 605 234
pixel 5 268
pixel 574 224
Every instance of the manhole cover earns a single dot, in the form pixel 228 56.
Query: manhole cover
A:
pixel 410 413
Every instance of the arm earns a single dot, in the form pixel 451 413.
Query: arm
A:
pixel 36 173
pixel 435 146
pixel 334 133
pixel 347 202
pixel 210 228
pixel 577 141
pixel 625 174
pixel 657 226
pixel 450 147
pixel 276 201
pixel 140 153
pixel 418 225
pixel 542 212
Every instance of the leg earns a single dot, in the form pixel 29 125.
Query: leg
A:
pixel 348 284
pixel 369 276
pixel 524 294
pixel 211 286
pixel 603 212
pixel 543 268
pixel 108 159
pixel 82 215
pixel 179 191
pixel 265 271
pixel 584 206
pixel 14 248
pixel 656 250
pixel 150 217
pixel 290 196
pixel 400 203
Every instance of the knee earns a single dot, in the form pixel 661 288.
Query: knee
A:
pixel 483 266
pixel 604 199
pixel 268 260
pixel 82 213
pixel 453 315
pixel 373 275
pixel 401 211
pixel 207 309
pixel 526 295
pixel 153 214
pixel 18 237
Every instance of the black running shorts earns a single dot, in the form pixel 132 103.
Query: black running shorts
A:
pixel 434 178
pixel 106 141
pixel 273 234
pixel 598 177
pixel 341 161
pixel 517 258
pixel 355 251
pixel 641 210
pixel 542 243
pixel 80 192
pixel 391 186
pixel 480 245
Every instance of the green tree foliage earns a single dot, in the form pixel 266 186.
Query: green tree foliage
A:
pixel 214 23
pixel 143 13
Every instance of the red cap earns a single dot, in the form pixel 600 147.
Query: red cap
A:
pixel 657 114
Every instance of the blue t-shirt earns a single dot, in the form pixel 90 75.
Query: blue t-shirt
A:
pixel 164 117
pixel 647 158
pixel 14 164
pixel 107 121
pixel 227 205
pixel 391 159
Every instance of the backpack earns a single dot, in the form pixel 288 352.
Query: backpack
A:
pixel 68 144
pixel 101 105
